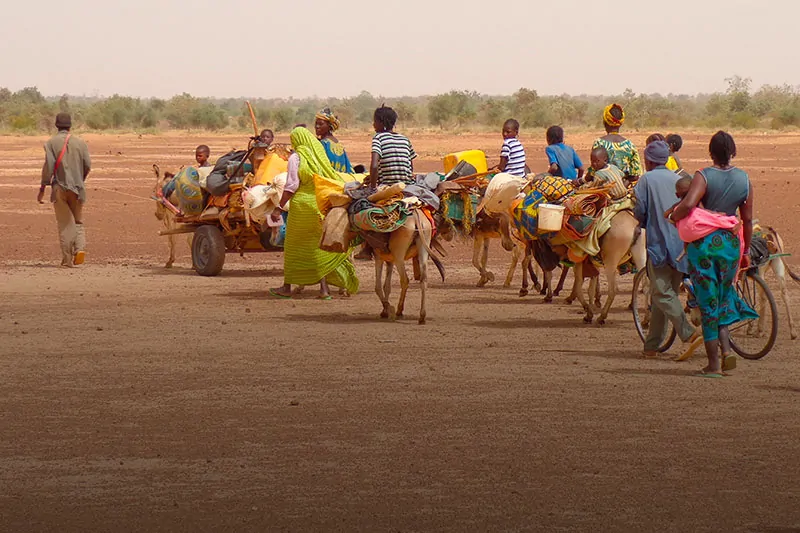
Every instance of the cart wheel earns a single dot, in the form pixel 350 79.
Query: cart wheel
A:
pixel 208 250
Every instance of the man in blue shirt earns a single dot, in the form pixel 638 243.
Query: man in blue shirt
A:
pixel 563 159
pixel 655 194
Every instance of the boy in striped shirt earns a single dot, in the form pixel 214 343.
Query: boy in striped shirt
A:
pixel 392 153
pixel 512 154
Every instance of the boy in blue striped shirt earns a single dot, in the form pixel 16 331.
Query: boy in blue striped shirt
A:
pixel 512 154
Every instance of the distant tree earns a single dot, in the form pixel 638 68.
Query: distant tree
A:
pixel 284 118
pixel 495 111
pixel 738 93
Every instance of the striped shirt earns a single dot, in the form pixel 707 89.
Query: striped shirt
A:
pixel 396 153
pixel 515 153
pixel 610 175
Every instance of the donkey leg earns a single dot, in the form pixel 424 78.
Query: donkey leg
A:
pixel 573 295
pixel 171 242
pixel 485 259
pixel 423 279
pixel 611 277
pixel 548 290
pixel 514 261
pixel 387 291
pixel 561 280
pixel 477 247
pixel 779 269
pixel 379 287
pixel 532 271
pixel 578 291
pixel 526 261
pixel 400 264
pixel 596 295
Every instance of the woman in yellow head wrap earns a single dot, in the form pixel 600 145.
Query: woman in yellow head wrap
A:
pixel 622 152
pixel 325 124
pixel 303 261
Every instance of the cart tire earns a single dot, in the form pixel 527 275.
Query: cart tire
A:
pixel 208 250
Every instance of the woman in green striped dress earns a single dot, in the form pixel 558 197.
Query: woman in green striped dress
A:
pixel 303 261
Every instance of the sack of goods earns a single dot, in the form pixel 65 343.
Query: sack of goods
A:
pixel 188 191
pixel 336 234
pixel 260 201
pixel 220 179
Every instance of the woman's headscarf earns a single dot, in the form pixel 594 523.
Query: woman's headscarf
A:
pixel 609 119
pixel 313 159
pixel 328 116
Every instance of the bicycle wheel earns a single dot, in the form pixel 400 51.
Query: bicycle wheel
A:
pixel 640 306
pixel 753 339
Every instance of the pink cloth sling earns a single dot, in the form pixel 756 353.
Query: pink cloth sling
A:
pixel 702 223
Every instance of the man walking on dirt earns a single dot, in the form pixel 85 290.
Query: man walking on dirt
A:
pixel 655 194
pixel 66 166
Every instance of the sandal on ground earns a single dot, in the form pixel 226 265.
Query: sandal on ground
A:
pixel 277 293
pixel 713 375
pixel 728 362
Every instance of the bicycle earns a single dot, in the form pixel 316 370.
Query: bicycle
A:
pixel 748 337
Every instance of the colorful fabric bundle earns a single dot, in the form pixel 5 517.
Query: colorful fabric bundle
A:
pixel 553 188
pixel 188 191
pixel 381 219
pixel 576 227
pixel 585 204
pixel 525 214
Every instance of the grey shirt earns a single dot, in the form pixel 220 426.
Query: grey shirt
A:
pixel 726 189
pixel 74 166
pixel 655 193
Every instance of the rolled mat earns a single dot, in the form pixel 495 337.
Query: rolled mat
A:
pixel 585 204
pixel 381 219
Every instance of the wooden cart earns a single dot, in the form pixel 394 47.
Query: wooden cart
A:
pixel 225 228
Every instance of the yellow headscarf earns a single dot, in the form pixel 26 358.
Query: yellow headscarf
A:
pixel 313 159
pixel 328 116
pixel 609 119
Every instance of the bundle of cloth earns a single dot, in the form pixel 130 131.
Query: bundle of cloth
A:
pixel 385 209
pixel 186 185
pixel 373 213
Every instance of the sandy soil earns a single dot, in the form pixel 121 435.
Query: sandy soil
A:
pixel 138 398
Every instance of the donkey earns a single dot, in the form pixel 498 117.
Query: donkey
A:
pixel 780 268
pixel 412 240
pixel 614 245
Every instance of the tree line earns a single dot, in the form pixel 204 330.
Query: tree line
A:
pixel 769 107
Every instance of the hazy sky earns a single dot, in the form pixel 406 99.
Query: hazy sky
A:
pixel 307 47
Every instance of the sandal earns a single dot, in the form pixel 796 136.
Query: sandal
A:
pixel 728 362
pixel 278 294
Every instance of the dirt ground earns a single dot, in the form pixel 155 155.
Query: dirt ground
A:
pixel 138 398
